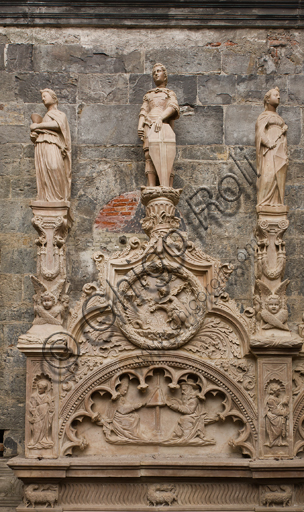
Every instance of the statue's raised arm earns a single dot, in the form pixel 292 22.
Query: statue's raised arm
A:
pixel 271 150
pixel 155 128
pixel 51 136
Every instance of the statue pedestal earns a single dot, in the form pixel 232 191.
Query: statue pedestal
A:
pixel 160 203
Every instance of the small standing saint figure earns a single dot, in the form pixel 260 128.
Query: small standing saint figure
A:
pixel 41 408
pixel 276 418
pixel 271 150
pixel 51 136
pixel 155 128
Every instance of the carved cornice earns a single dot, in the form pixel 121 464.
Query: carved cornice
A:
pixel 137 466
pixel 194 13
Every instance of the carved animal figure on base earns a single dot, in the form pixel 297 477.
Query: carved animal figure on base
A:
pixel 161 494
pixel 42 494
pixel 277 495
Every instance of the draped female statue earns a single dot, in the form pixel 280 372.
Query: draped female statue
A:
pixel 51 136
pixel 271 150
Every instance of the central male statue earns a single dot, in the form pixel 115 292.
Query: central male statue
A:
pixel 156 119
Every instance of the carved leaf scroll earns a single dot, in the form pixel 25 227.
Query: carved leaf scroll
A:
pixel 215 340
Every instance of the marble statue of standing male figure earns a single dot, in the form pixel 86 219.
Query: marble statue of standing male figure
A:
pixel 155 127
pixel 271 150
pixel 52 139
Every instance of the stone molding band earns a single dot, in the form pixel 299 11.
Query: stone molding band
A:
pixel 162 14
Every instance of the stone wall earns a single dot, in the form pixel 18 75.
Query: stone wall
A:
pixel 100 76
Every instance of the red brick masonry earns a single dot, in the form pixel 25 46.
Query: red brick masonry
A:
pixel 118 213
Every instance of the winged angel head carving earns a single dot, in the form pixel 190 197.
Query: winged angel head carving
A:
pixel 50 307
pixel 270 306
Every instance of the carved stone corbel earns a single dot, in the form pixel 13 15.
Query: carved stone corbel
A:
pixel 52 221
pixel 160 203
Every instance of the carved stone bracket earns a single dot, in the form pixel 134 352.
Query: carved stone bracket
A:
pixel 270 301
pixel 52 221
pixel 160 205
pixel 271 254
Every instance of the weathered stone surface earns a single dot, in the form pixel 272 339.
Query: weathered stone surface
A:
pixel 17 312
pixel 254 87
pixel 19 167
pixel 29 85
pixel 11 114
pixel 79 59
pixel 11 289
pixel 20 57
pixel 103 124
pixel 239 64
pixel 120 153
pixel 297 171
pixel 184 88
pixel 240 124
pixel 205 126
pixel 5 187
pixel 216 90
pixel 196 59
pixel 295 89
pixel 138 86
pixel 203 153
pixel 8 86
pixel 18 261
pixel 106 89
pixel 292 117
pixel 16 216
pixel 294 196
pixel 9 133
pixel 24 187
pixel 2 48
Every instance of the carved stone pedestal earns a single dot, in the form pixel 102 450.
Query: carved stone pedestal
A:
pixel 160 203
pixel 52 221
pixel 272 341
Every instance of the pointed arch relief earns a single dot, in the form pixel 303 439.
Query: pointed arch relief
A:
pixel 165 403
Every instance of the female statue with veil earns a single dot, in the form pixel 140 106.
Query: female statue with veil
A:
pixel 51 136
pixel 271 150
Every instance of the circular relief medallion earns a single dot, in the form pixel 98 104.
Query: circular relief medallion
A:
pixel 159 306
